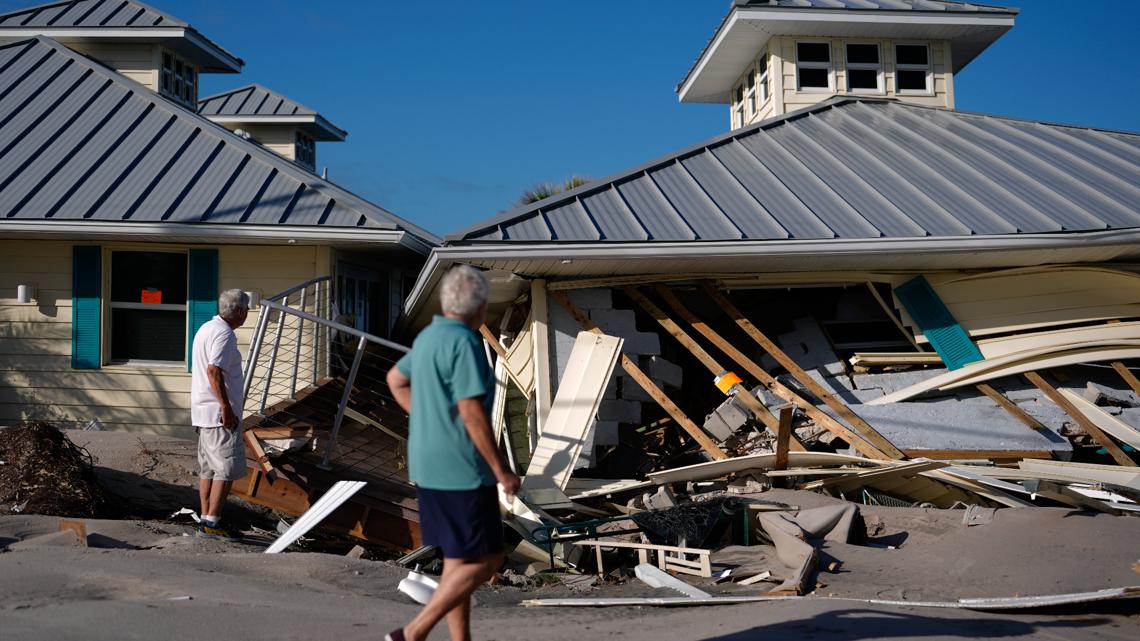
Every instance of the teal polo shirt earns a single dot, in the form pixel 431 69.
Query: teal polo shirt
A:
pixel 446 365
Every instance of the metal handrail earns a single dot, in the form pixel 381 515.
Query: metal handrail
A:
pixel 330 325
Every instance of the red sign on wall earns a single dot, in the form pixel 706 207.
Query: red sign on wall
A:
pixel 152 296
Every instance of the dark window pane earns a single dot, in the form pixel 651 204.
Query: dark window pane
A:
pixel 739 94
pixel 911 80
pixel 814 51
pixel 134 272
pixel 763 64
pixel 910 55
pixel 862 79
pixel 813 78
pixel 750 81
pixel 148 334
pixel 167 60
pixel 863 54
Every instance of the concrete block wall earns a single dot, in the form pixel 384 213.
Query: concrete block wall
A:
pixel 623 397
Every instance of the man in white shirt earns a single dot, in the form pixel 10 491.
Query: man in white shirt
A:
pixel 216 400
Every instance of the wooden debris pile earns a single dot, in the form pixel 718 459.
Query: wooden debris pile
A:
pixel 43 472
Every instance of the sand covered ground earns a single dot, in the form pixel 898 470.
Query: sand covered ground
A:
pixel 146 577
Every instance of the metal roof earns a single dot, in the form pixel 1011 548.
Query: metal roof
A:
pixel 851 169
pixel 91 13
pixel 57 19
pixel 879 5
pixel 256 103
pixel 83 143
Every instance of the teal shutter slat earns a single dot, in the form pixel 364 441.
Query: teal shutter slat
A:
pixel 947 337
pixel 202 294
pixel 86 306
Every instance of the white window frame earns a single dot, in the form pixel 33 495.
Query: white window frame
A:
pixel 762 86
pixel 751 104
pixel 303 142
pixel 107 328
pixel 928 68
pixel 864 66
pixel 829 66
pixel 178 82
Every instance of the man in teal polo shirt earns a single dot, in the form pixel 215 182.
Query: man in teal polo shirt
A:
pixel 447 388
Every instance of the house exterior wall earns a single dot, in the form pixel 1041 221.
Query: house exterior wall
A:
pixel 37 381
pixel 139 62
pixel 784 95
pixel 280 140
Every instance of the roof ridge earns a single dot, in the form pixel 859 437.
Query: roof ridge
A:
pixel 272 92
pixel 175 21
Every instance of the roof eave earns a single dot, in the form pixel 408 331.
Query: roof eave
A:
pixel 209 56
pixel 209 232
pixel 687 90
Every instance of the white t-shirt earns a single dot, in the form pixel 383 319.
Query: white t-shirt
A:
pixel 215 344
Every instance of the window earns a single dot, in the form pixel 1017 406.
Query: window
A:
pixel 148 306
pixel 763 81
pixel 912 69
pixel 305 150
pixel 813 66
pixel 864 68
pixel 178 79
pixel 750 91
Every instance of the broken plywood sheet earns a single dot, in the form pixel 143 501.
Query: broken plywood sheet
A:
pixel 1085 472
pixel 1107 423
pixel 952 425
pixel 1071 336
pixel 715 469
pixel 520 358
pixel 1020 299
pixel 573 410
pixel 1018 363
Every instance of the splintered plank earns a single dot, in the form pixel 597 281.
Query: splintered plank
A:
pixel 861 426
pixel 1086 424
pixel 644 381
pixel 1010 406
pixel 743 394
pixel 779 389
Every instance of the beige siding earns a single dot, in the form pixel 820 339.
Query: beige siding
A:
pixel 36 378
pixel 280 140
pixel 139 62
pixel 782 51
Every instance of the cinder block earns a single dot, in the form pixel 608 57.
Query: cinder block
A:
pixel 619 411
pixel 619 322
pixel 660 369
pixel 592 298
pixel 630 390
pixel 611 391
pixel 728 417
pixel 1097 393
pixel 642 343
pixel 605 433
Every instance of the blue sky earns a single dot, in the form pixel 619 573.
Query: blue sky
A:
pixel 454 108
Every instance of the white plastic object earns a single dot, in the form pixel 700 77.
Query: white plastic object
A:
pixel 418 586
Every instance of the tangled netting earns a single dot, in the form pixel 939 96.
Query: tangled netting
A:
pixel 693 523
pixel 43 472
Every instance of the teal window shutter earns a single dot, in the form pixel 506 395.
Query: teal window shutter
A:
pixel 202 294
pixel 947 337
pixel 86 306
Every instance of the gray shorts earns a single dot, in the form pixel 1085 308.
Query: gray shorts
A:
pixel 221 454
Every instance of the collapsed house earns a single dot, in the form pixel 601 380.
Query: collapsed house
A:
pixel 876 297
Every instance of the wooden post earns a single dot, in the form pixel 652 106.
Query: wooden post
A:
pixel 1127 375
pixel 746 398
pixel 540 334
pixel 782 435
pixel 1087 425
pixel 1010 406
pixel 644 381
pixel 872 435
pixel 776 387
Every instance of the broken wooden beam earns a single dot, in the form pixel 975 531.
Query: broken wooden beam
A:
pixel 844 412
pixel 1086 424
pixel 644 381
pixel 742 393
pixel 1010 406
pixel 776 387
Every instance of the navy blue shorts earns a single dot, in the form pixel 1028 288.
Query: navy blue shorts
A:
pixel 464 524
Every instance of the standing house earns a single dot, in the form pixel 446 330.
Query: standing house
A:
pixel 127 204
pixel 847 175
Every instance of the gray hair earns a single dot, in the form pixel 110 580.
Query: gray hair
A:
pixel 463 291
pixel 231 301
